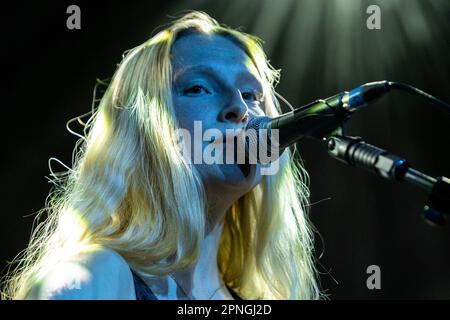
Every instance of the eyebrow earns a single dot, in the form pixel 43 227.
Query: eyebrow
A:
pixel 208 70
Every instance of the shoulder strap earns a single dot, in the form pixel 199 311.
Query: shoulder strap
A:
pixel 142 290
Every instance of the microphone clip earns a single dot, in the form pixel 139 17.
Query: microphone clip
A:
pixel 355 152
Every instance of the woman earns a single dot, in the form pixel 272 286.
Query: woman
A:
pixel 133 219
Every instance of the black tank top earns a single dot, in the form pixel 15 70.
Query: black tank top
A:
pixel 143 292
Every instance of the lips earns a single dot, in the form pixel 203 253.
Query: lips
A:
pixel 227 137
pixel 231 141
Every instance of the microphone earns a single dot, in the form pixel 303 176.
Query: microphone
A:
pixel 318 119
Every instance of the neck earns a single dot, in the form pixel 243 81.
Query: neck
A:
pixel 204 281
pixel 204 278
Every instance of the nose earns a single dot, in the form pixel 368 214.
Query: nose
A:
pixel 235 111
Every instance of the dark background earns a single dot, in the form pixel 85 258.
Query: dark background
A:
pixel 322 47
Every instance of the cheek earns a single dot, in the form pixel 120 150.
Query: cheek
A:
pixel 183 114
pixel 187 111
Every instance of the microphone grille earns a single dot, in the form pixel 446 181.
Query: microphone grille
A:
pixel 257 123
pixel 252 136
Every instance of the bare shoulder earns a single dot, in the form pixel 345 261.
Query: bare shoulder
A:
pixel 97 273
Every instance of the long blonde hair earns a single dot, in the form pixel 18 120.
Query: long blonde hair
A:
pixel 132 191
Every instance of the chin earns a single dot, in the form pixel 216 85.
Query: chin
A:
pixel 233 177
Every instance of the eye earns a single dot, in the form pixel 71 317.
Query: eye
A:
pixel 253 96
pixel 195 90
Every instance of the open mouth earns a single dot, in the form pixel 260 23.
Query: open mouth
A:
pixel 245 169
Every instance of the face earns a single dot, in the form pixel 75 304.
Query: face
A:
pixel 215 82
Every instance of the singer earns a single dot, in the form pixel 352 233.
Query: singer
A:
pixel 133 220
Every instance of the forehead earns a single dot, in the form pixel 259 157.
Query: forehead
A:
pixel 216 51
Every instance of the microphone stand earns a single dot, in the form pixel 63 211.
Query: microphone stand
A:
pixel 354 151
pixel 325 119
